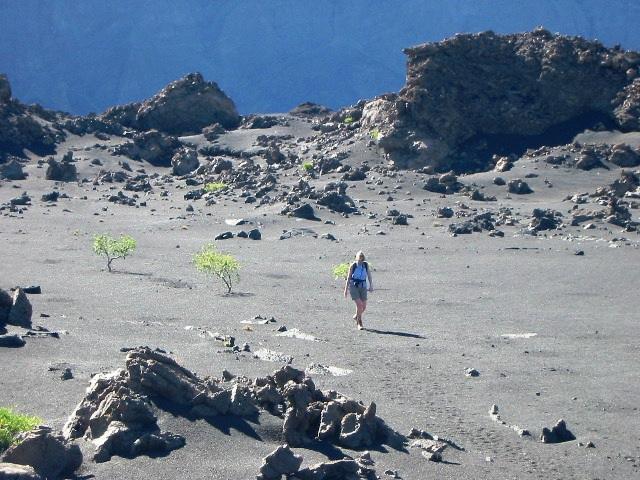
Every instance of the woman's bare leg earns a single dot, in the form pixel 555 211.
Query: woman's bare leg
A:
pixel 363 307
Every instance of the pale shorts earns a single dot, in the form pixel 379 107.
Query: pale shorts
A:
pixel 358 293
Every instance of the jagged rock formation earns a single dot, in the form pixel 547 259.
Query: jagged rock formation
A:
pixel 23 127
pixel 118 416
pixel 467 92
pixel 184 107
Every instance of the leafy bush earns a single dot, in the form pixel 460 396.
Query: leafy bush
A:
pixel 11 424
pixel 212 187
pixel 348 120
pixel 113 248
pixel 341 270
pixel 220 265
pixel 375 134
pixel 307 166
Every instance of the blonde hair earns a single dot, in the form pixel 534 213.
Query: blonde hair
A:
pixel 360 252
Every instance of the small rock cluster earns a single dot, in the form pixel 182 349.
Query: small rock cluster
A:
pixel 282 461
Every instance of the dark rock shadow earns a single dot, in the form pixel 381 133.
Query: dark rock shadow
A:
pixel 239 294
pixel 327 449
pixel 223 423
pixel 390 332
pixel 127 272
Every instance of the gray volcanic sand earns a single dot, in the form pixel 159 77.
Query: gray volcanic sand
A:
pixel 441 305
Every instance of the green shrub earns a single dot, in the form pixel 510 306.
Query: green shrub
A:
pixel 307 166
pixel 348 120
pixel 113 248
pixel 220 265
pixel 375 134
pixel 11 424
pixel 341 270
pixel 212 187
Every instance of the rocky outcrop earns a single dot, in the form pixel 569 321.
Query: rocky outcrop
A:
pixel 49 453
pixel 184 161
pixel 464 93
pixel 12 170
pixel 118 416
pixel 184 107
pixel 15 309
pixel 62 171
pixel 153 146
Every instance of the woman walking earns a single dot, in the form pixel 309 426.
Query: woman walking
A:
pixel 356 283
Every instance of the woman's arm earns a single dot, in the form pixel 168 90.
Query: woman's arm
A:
pixel 370 280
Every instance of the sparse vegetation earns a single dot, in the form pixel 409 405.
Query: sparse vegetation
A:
pixel 307 166
pixel 113 248
pixel 375 134
pixel 348 120
pixel 11 424
pixel 212 187
pixel 341 270
pixel 221 265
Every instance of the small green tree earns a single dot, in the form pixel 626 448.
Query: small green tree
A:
pixel 11 424
pixel 375 134
pixel 307 167
pixel 113 248
pixel 213 187
pixel 220 265
pixel 341 270
pixel 349 120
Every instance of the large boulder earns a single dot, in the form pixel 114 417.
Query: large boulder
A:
pixel 21 310
pixel 50 455
pixel 186 106
pixel 184 161
pixel 467 92
pixel 63 171
pixel 282 461
pixel 12 170
pixel 624 156
pixel 153 146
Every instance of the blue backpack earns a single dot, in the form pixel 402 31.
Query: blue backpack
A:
pixel 359 282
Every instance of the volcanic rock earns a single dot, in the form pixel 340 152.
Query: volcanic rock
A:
pixel 624 156
pixel 63 171
pixel 627 106
pixel 21 310
pixel 539 80
pixel 282 461
pixel 628 182
pixel 220 165
pixel 519 187
pixel 48 453
pixel 254 234
pixel 212 132
pixel 6 302
pixel 304 211
pixel 344 469
pixel 444 212
pixel 544 220
pixel 12 170
pixel 559 433
pixel 186 106
pixel 309 109
pixel 153 146
pixel 588 160
pixel 184 161
pixel 337 202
